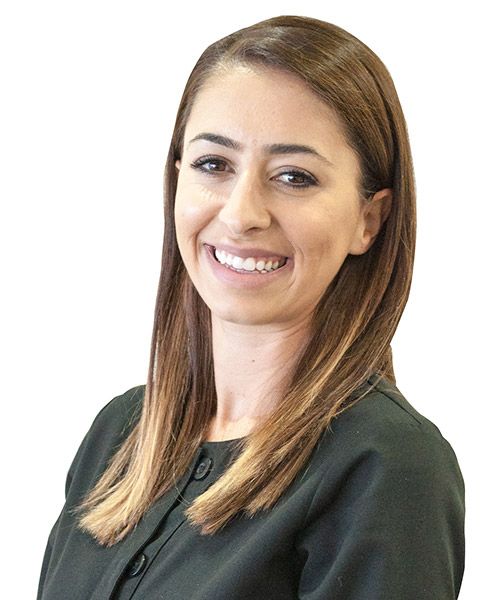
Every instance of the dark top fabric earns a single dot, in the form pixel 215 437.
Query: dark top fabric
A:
pixel 376 514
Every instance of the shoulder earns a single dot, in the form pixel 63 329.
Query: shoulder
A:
pixel 120 412
pixel 383 440
pixel 383 418
pixel 115 420
pixel 105 435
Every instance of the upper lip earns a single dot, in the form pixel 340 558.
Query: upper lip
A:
pixel 247 252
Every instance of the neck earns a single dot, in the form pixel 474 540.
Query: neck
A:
pixel 252 365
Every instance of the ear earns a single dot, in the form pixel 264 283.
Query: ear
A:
pixel 178 164
pixel 373 215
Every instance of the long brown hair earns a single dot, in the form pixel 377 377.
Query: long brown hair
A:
pixel 352 325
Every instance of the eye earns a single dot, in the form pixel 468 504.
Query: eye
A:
pixel 204 160
pixel 200 163
pixel 307 180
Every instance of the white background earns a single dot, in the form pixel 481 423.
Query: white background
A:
pixel 89 92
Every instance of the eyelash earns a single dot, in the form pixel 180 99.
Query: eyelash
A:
pixel 198 164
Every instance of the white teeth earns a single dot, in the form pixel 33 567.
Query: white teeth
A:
pixel 236 262
pixel 248 264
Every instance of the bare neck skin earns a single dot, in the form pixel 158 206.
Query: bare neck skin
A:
pixel 251 366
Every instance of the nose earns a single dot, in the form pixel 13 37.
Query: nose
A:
pixel 244 208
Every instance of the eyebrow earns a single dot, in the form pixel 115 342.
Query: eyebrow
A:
pixel 269 148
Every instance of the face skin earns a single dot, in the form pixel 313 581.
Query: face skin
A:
pixel 252 200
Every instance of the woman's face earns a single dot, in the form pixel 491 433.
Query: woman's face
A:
pixel 265 204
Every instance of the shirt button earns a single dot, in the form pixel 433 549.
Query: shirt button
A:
pixel 203 467
pixel 137 566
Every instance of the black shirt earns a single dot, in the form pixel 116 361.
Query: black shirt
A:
pixel 377 513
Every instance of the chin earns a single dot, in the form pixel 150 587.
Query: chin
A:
pixel 240 316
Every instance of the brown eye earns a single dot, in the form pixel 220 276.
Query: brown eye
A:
pixel 208 160
pixel 307 180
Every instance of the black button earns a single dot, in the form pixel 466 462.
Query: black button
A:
pixel 203 467
pixel 137 566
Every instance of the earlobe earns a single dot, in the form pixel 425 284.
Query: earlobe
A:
pixel 178 164
pixel 375 213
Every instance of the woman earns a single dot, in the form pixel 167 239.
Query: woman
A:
pixel 270 454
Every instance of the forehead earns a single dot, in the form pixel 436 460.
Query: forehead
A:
pixel 264 106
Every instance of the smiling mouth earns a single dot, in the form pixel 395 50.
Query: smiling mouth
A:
pixel 249 266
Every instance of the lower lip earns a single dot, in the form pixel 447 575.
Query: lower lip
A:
pixel 247 279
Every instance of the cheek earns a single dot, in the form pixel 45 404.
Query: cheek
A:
pixel 193 208
pixel 323 237
pixel 318 230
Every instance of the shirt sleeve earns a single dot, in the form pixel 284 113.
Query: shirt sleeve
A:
pixel 69 478
pixel 389 524
pixel 50 542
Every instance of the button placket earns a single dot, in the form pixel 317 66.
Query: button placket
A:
pixel 202 472
pixel 139 537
